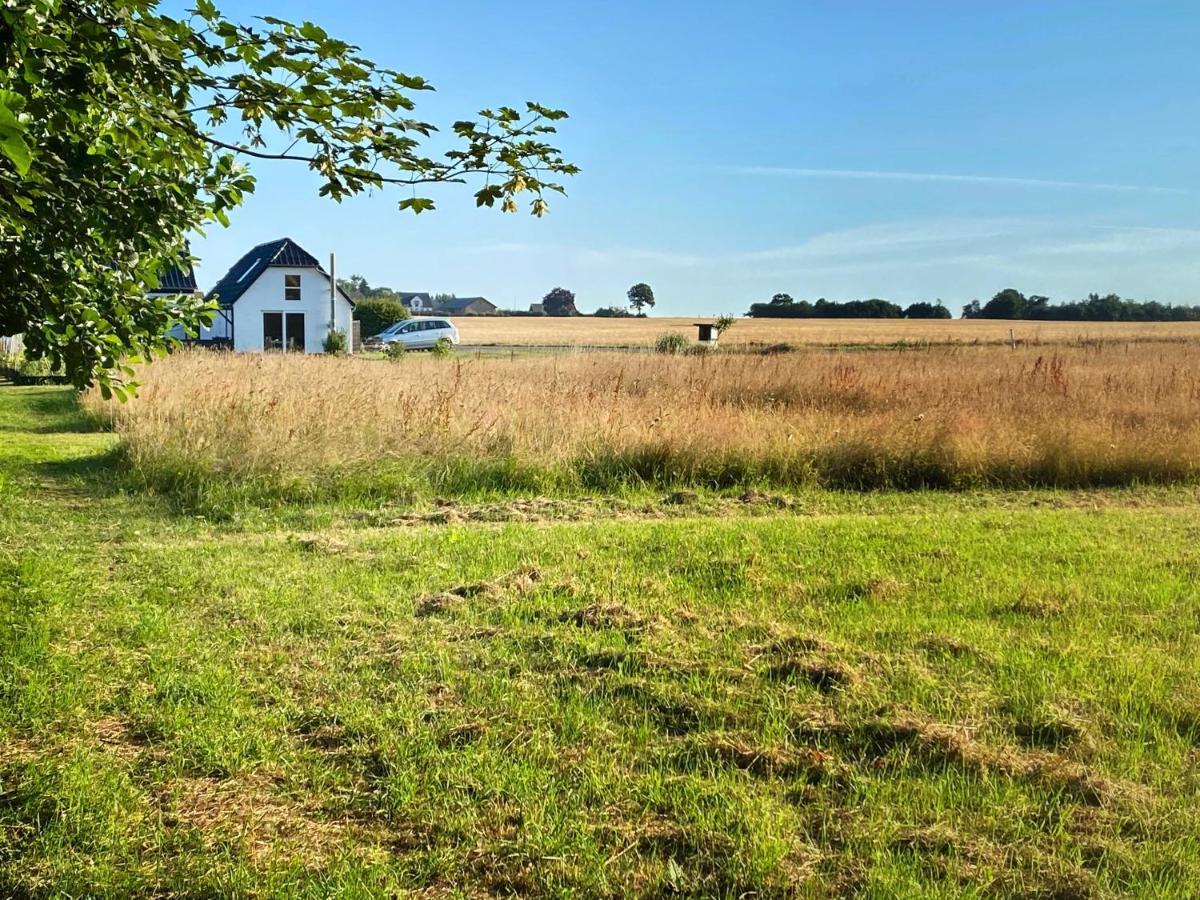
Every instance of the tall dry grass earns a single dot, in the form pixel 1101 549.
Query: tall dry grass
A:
pixel 299 426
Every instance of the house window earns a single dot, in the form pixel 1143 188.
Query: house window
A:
pixel 291 287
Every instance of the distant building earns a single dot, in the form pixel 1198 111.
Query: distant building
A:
pixel 421 303
pixel 537 309
pixel 465 306
pixel 418 302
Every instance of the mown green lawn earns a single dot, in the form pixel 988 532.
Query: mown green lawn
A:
pixel 882 695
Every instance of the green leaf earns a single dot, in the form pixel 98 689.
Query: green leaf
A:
pixel 14 147
pixel 417 204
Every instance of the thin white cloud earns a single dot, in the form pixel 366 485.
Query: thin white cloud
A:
pixel 906 237
pixel 873 254
pixel 948 178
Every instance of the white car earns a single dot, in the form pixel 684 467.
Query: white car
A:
pixel 417 333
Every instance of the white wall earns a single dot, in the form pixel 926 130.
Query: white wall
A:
pixel 266 295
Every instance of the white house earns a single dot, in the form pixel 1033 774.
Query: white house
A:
pixel 278 297
pixel 419 303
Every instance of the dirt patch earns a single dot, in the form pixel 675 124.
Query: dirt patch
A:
pixel 1049 733
pixel 1035 606
pixel 600 616
pixel 939 744
pixel 946 646
pixel 16 750
pixel 800 643
pixel 613 660
pixel 882 589
pixel 322 545
pixel 948 854
pixel 520 581
pixel 118 737
pixel 462 735
pixel 945 853
pixel 436 604
pixel 766 761
pixel 826 677
pixel 251 812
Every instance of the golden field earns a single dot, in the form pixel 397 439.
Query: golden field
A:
pixel 942 416
pixel 585 330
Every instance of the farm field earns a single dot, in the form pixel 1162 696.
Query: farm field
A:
pixel 589 331
pixel 779 691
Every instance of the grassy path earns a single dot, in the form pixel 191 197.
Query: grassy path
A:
pixel 933 695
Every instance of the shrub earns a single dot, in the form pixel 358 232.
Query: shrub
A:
pixel 613 312
pixel 35 368
pixel 697 349
pixel 395 350
pixel 442 347
pixel 335 342
pixel 670 343
pixel 376 315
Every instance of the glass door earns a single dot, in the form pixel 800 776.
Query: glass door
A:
pixel 295 332
pixel 272 331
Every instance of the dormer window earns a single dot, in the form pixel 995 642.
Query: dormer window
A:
pixel 291 287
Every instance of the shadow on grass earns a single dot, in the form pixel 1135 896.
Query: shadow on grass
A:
pixel 98 474
pixel 43 410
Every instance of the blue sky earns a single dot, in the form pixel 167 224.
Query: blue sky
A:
pixel 906 150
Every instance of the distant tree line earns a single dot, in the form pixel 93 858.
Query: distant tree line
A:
pixel 1012 304
pixel 783 306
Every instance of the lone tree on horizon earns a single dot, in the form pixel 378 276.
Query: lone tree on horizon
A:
pixel 124 129
pixel 640 296
pixel 559 302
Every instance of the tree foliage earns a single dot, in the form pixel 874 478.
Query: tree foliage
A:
pixel 377 313
pixel 782 306
pixel 724 323
pixel 123 129
pixel 1012 304
pixel 922 309
pixel 640 296
pixel 559 302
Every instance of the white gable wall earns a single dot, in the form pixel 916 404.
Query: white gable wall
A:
pixel 267 295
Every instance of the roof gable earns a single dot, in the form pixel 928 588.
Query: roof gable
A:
pixel 281 252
